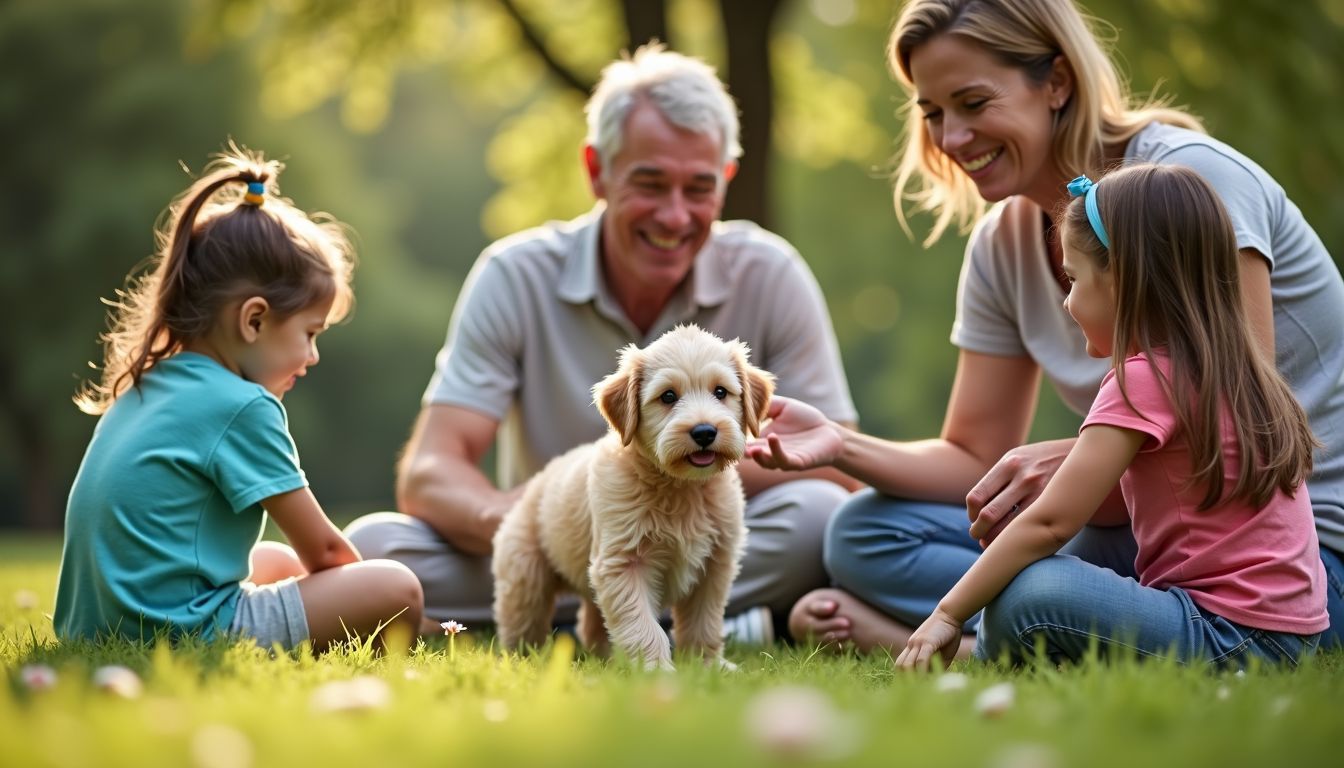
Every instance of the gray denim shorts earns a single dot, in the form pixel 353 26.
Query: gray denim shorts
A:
pixel 271 614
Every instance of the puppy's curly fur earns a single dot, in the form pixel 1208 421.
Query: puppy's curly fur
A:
pixel 647 517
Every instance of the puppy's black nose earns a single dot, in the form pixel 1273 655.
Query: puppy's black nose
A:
pixel 703 434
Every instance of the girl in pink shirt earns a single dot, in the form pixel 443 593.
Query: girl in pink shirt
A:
pixel 1205 439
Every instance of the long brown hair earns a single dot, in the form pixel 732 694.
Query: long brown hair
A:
pixel 214 248
pixel 1027 35
pixel 1174 262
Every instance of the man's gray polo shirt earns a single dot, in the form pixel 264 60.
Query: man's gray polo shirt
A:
pixel 535 327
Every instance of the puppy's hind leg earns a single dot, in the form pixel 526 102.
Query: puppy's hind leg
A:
pixel 525 584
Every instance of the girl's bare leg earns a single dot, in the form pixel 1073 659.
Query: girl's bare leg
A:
pixel 358 598
pixel 272 561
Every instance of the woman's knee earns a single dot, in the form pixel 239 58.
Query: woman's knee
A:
pixel 871 527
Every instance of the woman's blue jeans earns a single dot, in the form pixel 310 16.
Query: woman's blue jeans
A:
pixel 902 556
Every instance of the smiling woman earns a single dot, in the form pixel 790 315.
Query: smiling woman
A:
pixel 1010 100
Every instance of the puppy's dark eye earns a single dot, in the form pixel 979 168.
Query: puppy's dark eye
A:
pixel 669 397
pixel 720 392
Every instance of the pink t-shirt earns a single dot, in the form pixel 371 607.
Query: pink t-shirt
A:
pixel 1258 567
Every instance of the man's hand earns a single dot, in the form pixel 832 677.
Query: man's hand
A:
pixel 439 479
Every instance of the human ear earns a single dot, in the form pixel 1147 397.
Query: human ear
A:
pixel 593 164
pixel 729 171
pixel 251 314
pixel 1060 83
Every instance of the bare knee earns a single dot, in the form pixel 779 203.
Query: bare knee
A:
pixel 397 587
pixel 271 561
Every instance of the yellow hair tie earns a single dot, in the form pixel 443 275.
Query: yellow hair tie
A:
pixel 256 193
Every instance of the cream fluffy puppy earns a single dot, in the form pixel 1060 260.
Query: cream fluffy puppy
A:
pixel 646 518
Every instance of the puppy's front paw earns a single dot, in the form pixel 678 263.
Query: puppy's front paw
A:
pixel 723 664
pixel 659 665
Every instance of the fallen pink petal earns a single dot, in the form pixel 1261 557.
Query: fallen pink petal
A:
pixel 37 677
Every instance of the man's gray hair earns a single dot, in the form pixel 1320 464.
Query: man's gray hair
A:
pixel 685 90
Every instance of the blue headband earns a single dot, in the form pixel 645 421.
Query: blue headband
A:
pixel 1085 186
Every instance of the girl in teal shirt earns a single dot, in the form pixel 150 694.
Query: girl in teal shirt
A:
pixel 192 450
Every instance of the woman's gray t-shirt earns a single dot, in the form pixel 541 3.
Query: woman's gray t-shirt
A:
pixel 1009 302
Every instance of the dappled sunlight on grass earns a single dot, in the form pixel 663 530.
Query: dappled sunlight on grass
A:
pixel 217 705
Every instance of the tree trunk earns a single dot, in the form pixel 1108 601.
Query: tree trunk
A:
pixel 748 25
pixel 645 20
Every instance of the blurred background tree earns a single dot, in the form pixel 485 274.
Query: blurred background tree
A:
pixel 434 126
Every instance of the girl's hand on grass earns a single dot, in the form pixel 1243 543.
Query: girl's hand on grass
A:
pixel 939 634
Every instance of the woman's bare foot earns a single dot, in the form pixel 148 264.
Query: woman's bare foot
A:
pixel 840 620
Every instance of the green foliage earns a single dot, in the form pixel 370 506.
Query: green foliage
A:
pixel 233 705
pixel 431 127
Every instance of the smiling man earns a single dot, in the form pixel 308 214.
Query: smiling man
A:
pixel 544 313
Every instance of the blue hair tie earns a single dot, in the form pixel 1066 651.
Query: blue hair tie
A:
pixel 256 193
pixel 1084 186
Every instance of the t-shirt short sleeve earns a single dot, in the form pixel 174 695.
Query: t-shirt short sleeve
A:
pixel 1241 189
pixel 255 458
pixel 1148 410
pixel 478 365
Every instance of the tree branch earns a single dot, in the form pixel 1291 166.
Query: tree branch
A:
pixel 533 38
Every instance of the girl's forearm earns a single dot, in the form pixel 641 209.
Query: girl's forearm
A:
pixel 1022 543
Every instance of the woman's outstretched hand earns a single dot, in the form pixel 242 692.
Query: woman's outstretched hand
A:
pixel 797 437
pixel 940 634
pixel 1012 485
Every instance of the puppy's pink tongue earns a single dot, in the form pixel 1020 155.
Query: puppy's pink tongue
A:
pixel 702 458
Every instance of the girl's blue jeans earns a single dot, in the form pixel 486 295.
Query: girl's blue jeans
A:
pixel 902 556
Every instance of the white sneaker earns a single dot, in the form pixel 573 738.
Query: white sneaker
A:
pixel 753 627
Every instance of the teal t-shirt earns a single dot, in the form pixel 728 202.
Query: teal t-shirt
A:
pixel 166 506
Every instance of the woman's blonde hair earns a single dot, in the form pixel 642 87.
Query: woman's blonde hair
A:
pixel 1175 266
pixel 1028 35
pixel 220 242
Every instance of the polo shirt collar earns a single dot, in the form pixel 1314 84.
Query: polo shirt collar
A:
pixel 581 281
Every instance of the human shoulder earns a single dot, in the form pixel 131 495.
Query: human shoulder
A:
pixel 748 240
pixel 211 390
pixel 1147 384
pixel 1005 226
pixel 543 248
pixel 1216 160
pixel 1139 403
pixel 994 251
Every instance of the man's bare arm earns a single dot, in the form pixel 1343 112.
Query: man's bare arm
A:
pixel 439 477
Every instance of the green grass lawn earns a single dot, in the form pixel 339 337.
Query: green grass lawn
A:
pixel 222 706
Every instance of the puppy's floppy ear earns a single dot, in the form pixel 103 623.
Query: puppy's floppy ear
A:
pixel 757 387
pixel 617 396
